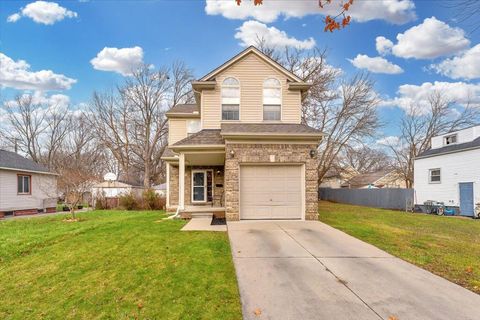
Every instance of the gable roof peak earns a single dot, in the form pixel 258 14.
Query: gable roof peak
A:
pixel 243 53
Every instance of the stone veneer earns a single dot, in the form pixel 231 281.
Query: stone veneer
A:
pixel 218 174
pixel 260 153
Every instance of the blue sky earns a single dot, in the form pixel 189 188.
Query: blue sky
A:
pixel 68 38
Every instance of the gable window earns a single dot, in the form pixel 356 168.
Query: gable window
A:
pixel 193 126
pixel 450 139
pixel 24 184
pixel 434 176
pixel 272 100
pixel 230 99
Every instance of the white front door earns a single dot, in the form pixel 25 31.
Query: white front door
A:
pixel 271 192
pixel 202 185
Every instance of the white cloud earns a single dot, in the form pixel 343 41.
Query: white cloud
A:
pixel 464 66
pixel 251 31
pixel 417 96
pixel 375 64
pixel 43 12
pixel 14 17
pixel 393 11
pixel 389 141
pixel 123 61
pixel 17 75
pixel 383 45
pixel 430 39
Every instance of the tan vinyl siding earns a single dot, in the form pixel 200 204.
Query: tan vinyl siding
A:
pixel 251 71
pixel 43 187
pixel 177 130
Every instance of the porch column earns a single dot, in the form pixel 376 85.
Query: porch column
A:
pixel 168 185
pixel 181 181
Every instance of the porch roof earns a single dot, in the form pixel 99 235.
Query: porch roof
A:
pixel 208 137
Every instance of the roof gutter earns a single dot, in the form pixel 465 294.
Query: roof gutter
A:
pixel 30 171
pixel 447 152
pixel 187 147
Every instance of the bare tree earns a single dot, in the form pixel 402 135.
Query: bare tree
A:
pixel 365 159
pixel 131 121
pixel 26 124
pixel 419 126
pixel 344 109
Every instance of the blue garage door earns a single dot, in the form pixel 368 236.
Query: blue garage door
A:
pixel 466 199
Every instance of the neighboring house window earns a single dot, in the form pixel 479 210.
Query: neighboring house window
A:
pixel 272 99
pixel 24 184
pixel 230 99
pixel 193 126
pixel 434 176
pixel 451 139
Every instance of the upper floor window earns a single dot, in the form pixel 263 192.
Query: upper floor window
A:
pixel 24 184
pixel 230 99
pixel 272 99
pixel 193 126
pixel 450 139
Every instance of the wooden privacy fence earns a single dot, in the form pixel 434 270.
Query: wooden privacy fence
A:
pixel 400 199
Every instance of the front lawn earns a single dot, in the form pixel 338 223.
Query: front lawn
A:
pixel 446 246
pixel 114 265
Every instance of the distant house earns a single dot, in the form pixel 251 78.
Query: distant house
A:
pixel 161 189
pixel 26 187
pixel 114 189
pixel 337 176
pixel 450 171
pixel 375 180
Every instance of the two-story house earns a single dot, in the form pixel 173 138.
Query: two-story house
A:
pixel 450 170
pixel 241 148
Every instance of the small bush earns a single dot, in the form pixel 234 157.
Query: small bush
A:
pixel 129 201
pixel 152 201
pixel 101 203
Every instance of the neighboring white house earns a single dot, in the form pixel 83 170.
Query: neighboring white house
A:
pixel 26 187
pixel 450 171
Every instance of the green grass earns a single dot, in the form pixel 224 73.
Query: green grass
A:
pixel 446 246
pixel 114 265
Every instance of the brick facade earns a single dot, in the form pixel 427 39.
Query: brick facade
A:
pixel 260 153
pixel 250 154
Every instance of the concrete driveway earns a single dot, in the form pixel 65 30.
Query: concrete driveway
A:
pixel 308 270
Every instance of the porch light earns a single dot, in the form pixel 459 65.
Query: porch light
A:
pixel 232 153
pixel 313 153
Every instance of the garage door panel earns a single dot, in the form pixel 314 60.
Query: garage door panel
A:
pixel 271 192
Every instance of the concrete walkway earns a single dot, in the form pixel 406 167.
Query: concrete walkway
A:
pixel 308 270
pixel 203 224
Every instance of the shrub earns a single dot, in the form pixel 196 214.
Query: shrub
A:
pixel 152 201
pixel 129 201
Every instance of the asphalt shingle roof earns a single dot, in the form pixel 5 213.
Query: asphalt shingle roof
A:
pixel 203 137
pixel 451 148
pixel 261 128
pixel 12 160
pixel 184 108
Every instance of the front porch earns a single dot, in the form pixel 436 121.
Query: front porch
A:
pixel 196 182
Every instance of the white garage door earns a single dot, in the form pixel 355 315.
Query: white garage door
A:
pixel 271 192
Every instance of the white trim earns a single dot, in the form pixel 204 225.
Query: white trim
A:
pixel 205 185
pixel 29 171
pixel 430 176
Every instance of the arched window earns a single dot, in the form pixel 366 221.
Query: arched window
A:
pixel 272 99
pixel 230 99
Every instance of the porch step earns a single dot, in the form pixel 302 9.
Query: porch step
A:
pixel 201 215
